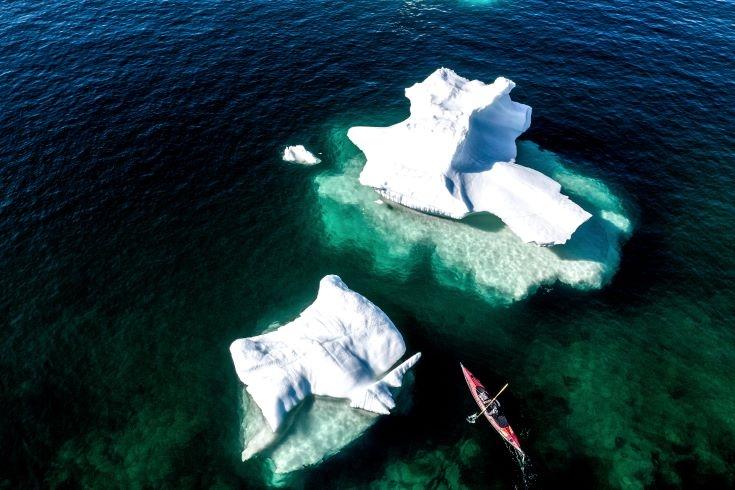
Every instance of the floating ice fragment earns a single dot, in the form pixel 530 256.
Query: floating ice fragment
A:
pixel 299 154
pixel 455 154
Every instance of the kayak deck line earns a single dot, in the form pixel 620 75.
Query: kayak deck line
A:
pixel 491 409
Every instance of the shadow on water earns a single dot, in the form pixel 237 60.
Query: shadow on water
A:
pixel 484 221
pixel 589 242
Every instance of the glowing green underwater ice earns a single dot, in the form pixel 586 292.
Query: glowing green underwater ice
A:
pixel 321 427
pixel 318 428
pixel 479 253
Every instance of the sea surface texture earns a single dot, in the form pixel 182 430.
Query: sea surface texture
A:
pixel 147 220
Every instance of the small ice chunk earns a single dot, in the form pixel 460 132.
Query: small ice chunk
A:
pixel 455 155
pixel 299 154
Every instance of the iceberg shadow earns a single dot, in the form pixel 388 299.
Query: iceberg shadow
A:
pixel 590 243
pixel 483 221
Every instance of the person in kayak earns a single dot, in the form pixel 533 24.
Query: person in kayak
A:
pixel 493 410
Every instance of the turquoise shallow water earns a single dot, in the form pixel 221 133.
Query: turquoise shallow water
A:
pixel 147 221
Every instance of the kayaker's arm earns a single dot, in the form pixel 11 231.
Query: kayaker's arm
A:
pixel 473 417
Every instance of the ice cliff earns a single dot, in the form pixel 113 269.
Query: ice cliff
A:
pixel 455 155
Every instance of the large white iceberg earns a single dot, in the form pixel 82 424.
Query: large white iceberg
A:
pixel 455 155
pixel 478 254
pixel 341 346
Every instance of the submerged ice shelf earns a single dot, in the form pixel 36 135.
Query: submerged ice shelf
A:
pixel 318 429
pixel 342 347
pixel 477 253
pixel 455 154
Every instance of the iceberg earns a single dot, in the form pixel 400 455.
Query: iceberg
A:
pixel 342 347
pixel 299 154
pixel 477 254
pixel 455 156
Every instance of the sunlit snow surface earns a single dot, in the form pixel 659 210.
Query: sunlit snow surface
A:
pixel 478 253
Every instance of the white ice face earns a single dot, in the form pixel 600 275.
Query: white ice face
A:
pixel 455 155
pixel 299 154
pixel 342 346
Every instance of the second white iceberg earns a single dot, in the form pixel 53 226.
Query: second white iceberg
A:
pixel 341 346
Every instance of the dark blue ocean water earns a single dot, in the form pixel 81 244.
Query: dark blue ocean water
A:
pixel 147 221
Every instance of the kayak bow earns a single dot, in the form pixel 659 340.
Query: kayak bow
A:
pixel 496 418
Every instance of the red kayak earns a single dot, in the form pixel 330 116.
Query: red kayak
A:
pixel 493 415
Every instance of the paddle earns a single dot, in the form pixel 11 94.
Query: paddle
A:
pixel 473 418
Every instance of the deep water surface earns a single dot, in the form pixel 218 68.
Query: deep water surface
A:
pixel 147 221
